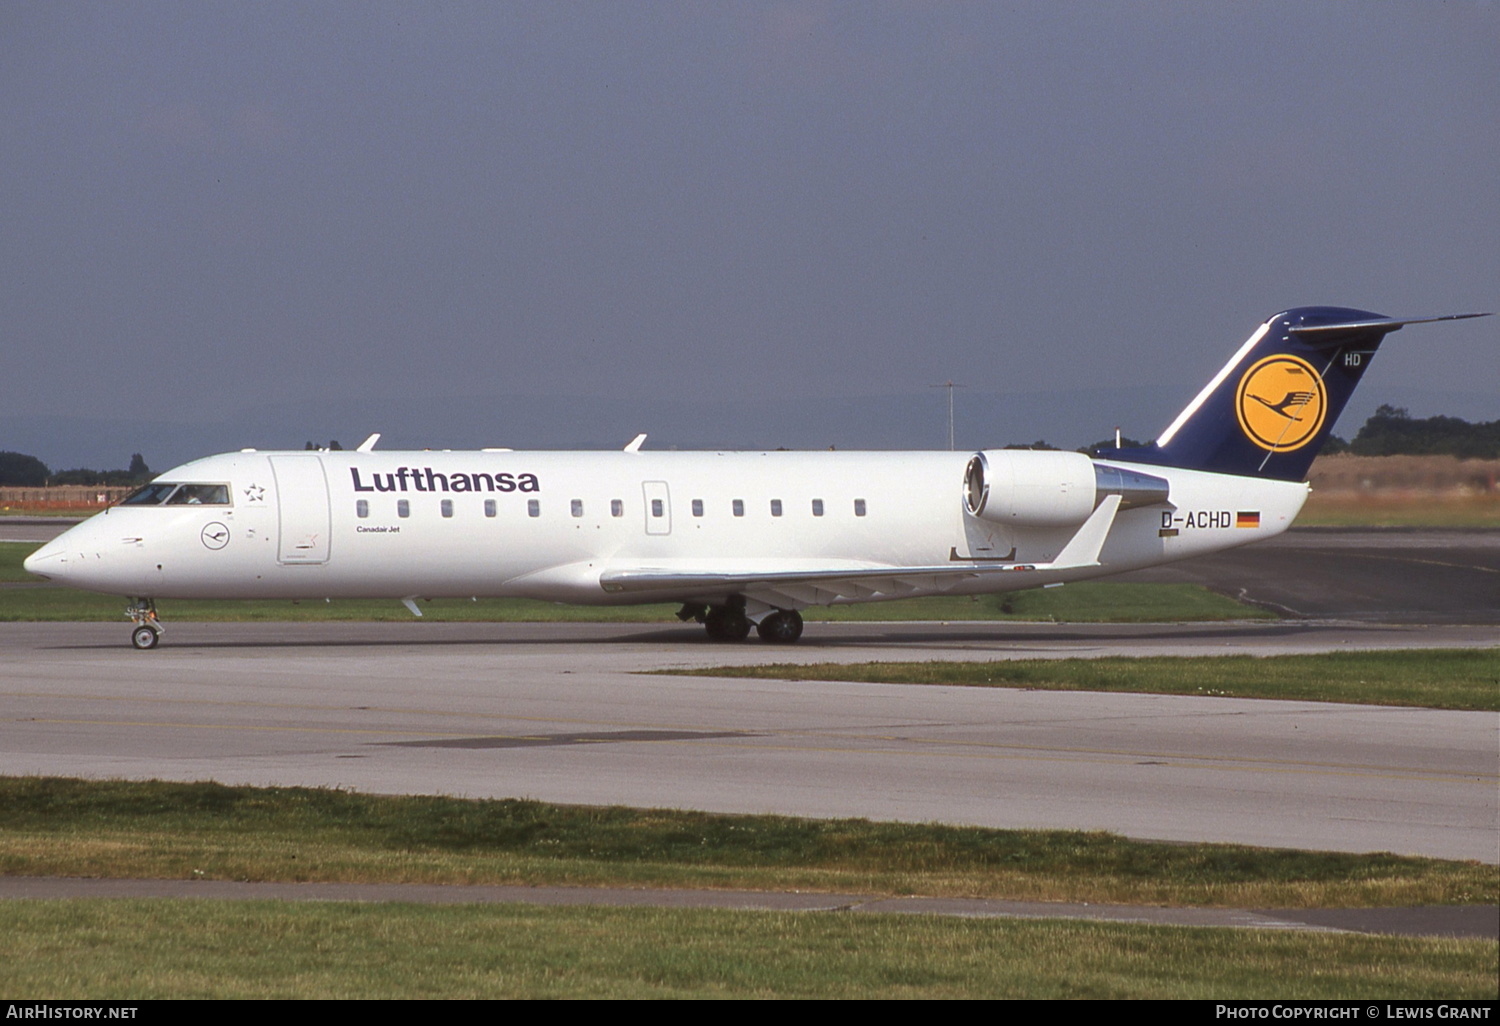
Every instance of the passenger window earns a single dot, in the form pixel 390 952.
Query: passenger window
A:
pixel 362 508
pixel 577 507
pixel 616 508
pixel 533 507
pixel 403 508
pixel 775 507
pixel 859 507
pixel 817 507
pixel 489 507
pixel 697 507
pixel 739 507
pixel 657 509
pixel 447 507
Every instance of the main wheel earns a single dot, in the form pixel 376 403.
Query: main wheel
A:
pixel 724 624
pixel 144 637
pixel 782 627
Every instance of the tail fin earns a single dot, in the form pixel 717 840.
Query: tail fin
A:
pixel 1271 408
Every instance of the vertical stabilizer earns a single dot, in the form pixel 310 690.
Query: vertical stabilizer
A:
pixel 1269 411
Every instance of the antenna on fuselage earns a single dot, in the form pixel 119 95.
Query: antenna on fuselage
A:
pixel 368 445
pixel 634 445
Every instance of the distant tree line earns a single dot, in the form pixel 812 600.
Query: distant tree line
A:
pixel 20 470
pixel 1395 432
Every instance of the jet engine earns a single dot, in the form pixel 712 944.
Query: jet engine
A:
pixel 1026 488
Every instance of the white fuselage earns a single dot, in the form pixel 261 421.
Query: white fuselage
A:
pixel 548 525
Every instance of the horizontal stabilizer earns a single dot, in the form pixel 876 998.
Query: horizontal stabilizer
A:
pixel 1327 334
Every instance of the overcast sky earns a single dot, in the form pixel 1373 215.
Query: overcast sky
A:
pixel 212 209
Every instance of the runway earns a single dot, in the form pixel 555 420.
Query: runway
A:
pixel 572 713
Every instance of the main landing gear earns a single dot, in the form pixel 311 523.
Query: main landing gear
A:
pixel 147 630
pixel 729 622
pixel 726 623
pixel 783 627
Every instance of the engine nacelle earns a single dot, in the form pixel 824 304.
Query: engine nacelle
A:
pixel 1026 488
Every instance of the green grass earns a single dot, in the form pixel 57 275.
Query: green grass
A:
pixel 67 604
pixel 1429 678
pixel 12 554
pixel 61 827
pixel 127 950
pixel 1089 602
pixel 142 949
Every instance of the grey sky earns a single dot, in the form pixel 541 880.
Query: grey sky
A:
pixel 213 210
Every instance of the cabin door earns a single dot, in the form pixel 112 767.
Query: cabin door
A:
pixel 658 507
pixel 302 501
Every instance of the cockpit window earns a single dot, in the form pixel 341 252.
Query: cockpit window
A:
pixel 200 495
pixel 169 494
pixel 150 495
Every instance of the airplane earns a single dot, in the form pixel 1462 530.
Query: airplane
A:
pixel 742 540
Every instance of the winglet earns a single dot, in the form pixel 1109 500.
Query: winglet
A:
pixel 634 445
pixel 1083 549
pixel 368 445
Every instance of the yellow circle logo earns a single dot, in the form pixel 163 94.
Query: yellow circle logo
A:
pixel 1281 403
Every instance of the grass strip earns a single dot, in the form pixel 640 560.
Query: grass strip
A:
pixel 12 555
pixel 196 949
pixel 1463 679
pixel 64 827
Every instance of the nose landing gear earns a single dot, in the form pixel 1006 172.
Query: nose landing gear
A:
pixel 147 630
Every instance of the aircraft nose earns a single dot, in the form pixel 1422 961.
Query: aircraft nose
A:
pixel 46 561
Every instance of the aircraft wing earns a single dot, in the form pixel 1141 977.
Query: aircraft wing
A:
pixel 823 585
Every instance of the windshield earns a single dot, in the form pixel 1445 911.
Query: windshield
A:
pixel 200 495
pixel 150 495
pixel 173 494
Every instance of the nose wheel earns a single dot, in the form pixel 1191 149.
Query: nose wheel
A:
pixel 147 630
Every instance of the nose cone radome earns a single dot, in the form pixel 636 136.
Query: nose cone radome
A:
pixel 46 561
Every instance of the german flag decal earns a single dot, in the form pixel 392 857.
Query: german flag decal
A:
pixel 1247 519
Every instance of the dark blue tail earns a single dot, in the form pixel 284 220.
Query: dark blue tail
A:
pixel 1271 408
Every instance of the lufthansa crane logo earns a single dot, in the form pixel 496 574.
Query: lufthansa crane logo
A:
pixel 1281 403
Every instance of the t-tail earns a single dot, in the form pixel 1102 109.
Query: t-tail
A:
pixel 1271 408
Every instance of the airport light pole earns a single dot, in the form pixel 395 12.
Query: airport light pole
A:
pixel 950 386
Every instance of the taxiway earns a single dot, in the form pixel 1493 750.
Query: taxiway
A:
pixel 573 713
